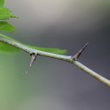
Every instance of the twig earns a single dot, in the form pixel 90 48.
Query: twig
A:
pixel 69 59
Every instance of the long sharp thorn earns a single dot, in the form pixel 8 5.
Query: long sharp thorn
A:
pixel 78 54
pixel 33 59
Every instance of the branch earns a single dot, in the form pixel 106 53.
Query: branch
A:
pixel 70 59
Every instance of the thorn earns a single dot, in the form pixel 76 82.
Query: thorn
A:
pixel 33 59
pixel 78 54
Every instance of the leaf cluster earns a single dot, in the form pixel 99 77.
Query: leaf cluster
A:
pixel 5 16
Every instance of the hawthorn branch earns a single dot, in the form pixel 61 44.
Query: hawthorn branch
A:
pixel 70 59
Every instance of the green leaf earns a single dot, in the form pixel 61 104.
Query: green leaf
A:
pixel 51 50
pixel 2 2
pixel 4 47
pixel 5 26
pixel 6 14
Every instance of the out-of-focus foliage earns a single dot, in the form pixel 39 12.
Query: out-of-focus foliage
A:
pixel 5 26
pixel 2 3
pixel 5 15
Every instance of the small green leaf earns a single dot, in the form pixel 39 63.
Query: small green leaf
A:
pixel 2 2
pixel 51 50
pixel 5 26
pixel 6 14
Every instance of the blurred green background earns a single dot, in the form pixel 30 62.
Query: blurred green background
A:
pixel 52 84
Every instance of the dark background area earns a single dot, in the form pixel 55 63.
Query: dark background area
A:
pixel 53 84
